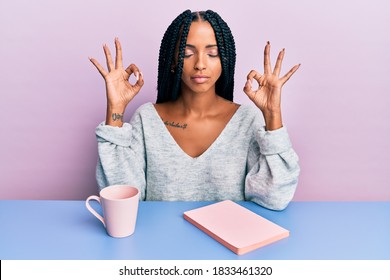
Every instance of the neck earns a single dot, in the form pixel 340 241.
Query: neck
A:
pixel 198 104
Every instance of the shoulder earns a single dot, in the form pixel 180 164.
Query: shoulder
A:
pixel 249 113
pixel 248 120
pixel 146 110
pixel 166 109
pixel 143 114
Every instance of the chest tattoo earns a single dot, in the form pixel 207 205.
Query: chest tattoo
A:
pixel 175 124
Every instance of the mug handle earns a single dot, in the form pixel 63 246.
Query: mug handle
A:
pixel 94 197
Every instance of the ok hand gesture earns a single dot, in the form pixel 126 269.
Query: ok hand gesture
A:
pixel 118 88
pixel 267 97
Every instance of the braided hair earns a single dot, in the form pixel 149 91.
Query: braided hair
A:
pixel 171 56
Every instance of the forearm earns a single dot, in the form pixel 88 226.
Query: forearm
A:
pixel 114 116
pixel 273 120
pixel 274 185
pixel 273 170
pixel 121 155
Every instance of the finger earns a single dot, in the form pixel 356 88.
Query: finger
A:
pixel 278 65
pixel 140 82
pixel 253 74
pixel 267 60
pixel 110 64
pixel 248 90
pixel 133 69
pixel 98 66
pixel 138 85
pixel 288 75
pixel 118 57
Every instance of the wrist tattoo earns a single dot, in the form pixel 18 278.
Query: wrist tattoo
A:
pixel 173 124
pixel 117 117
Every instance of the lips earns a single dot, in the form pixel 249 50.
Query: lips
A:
pixel 200 79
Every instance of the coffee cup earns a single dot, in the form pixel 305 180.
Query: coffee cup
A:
pixel 120 208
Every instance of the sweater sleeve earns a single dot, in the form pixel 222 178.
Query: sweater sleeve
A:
pixel 273 169
pixel 121 155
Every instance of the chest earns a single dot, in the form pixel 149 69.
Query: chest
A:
pixel 196 137
pixel 194 134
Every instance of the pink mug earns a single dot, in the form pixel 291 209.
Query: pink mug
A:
pixel 120 208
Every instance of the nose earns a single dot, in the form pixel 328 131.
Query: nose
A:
pixel 200 63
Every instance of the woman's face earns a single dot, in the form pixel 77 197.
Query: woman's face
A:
pixel 202 64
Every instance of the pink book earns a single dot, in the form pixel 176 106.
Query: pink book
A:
pixel 236 227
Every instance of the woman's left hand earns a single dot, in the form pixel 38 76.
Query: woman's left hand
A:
pixel 267 97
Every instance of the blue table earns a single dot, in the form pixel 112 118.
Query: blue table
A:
pixel 66 230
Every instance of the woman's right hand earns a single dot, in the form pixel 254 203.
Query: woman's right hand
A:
pixel 118 88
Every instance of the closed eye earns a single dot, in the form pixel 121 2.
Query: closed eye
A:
pixel 213 52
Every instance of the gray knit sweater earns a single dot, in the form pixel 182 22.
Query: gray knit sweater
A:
pixel 244 163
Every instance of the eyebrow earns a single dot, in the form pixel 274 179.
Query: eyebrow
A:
pixel 207 47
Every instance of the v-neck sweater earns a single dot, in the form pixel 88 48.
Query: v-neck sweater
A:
pixel 245 162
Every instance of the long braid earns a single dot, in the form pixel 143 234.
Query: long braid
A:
pixel 174 42
pixel 227 49
pixel 166 78
pixel 180 61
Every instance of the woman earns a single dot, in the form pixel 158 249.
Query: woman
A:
pixel 195 143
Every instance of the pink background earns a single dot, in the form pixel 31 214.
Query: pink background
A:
pixel 335 106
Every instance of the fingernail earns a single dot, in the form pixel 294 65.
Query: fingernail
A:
pixel 137 76
pixel 268 43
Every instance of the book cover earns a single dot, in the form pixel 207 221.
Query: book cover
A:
pixel 236 227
